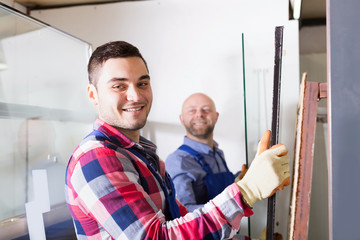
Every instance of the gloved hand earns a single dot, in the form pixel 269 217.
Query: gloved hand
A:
pixel 241 174
pixel 268 172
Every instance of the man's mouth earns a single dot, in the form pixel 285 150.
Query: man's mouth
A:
pixel 132 109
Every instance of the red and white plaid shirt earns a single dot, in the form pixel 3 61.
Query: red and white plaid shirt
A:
pixel 112 194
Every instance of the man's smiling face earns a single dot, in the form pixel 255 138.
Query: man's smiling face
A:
pixel 199 116
pixel 123 94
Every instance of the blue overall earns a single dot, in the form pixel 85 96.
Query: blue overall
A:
pixel 215 182
pixel 172 210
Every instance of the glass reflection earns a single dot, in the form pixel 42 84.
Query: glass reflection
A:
pixel 43 116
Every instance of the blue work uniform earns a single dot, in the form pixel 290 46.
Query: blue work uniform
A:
pixel 191 178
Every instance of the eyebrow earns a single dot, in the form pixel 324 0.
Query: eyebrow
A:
pixel 194 106
pixel 146 76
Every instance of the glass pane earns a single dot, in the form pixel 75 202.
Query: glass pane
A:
pixel 258 82
pixel 43 115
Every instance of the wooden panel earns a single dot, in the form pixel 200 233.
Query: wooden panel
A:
pixel 323 90
pixel 304 152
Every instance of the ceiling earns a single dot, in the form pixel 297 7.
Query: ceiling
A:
pixel 313 12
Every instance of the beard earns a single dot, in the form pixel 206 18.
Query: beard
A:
pixel 133 126
pixel 202 133
pixel 125 123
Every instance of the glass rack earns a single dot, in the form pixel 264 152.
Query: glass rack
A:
pixel 43 115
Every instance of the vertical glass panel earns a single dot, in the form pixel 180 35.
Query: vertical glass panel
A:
pixel 258 82
pixel 259 52
pixel 43 115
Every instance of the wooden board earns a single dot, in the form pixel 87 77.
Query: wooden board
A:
pixel 310 93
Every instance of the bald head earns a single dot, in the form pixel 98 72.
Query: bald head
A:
pixel 199 117
pixel 198 99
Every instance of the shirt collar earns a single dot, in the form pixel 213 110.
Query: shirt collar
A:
pixel 200 147
pixel 126 142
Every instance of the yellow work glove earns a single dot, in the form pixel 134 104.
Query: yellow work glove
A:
pixel 269 172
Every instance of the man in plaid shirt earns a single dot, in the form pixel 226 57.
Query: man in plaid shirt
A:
pixel 116 186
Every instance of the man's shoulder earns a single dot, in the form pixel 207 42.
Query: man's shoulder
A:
pixel 93 148
pixel 177 156
pixel 180 159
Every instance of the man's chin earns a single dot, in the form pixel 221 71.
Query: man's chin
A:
pixel 200 135
pixel 133 126
pixel 137 125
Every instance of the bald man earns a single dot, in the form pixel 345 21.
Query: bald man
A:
pixel 198 168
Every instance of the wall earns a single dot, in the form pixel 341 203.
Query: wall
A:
pixel 343 51
pixel 196 46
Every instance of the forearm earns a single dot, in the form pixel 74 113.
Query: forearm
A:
pixel 124 209
pixel 221 215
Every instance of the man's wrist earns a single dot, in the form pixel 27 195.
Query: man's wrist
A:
pixel 245 202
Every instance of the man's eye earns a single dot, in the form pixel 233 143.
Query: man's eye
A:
pixel 143 84
pixel 119 86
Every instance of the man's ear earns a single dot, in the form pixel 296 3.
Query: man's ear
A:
pixel 181 119
pixel 92 94
pixel 217 116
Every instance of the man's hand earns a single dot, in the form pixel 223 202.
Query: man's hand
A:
pixel 268 172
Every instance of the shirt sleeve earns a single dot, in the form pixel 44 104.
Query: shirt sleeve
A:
pixel 187 176
pixel 185 192
pixel 108 190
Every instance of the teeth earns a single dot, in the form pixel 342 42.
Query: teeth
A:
pixel 133 109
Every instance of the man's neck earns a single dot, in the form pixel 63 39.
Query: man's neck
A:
pixel 208 141
pixel 132 134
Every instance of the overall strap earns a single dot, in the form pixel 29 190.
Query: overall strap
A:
pixel 198 157
pixel 224 162
pixel 166 184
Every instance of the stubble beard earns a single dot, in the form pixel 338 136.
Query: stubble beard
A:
pixel 129 125
pixel 200 133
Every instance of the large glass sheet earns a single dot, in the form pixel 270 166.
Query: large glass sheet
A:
pixel 43 115
pixel 259 52
pixel 258 82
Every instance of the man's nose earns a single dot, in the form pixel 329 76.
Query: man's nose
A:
pixel 199 113
pixel 132 93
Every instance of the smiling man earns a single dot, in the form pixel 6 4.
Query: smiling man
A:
pixel 116 185
pixel 198 167
pixel 122 94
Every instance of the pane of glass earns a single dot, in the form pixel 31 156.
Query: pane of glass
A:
pixel 43 115
pixel 258 82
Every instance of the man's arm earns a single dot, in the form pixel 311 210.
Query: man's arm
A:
pixel 187 176
pixel 185 192
pixel 109 191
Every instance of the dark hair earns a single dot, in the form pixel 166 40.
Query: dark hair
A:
pixel 117 49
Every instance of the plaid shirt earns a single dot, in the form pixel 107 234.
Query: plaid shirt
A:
pixel 112 194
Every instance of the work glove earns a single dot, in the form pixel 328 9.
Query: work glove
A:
pixel 269 172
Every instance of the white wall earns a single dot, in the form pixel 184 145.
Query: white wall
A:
pixel 196 46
